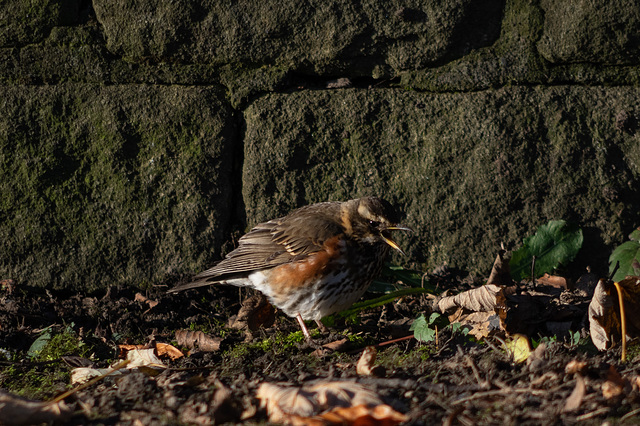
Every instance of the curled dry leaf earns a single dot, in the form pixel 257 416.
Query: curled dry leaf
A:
pixel 615 386
pixel 124 349
pixel 481 299
pixel 165 349
pixel 575 399
pixel 604 312
pixel 198 339
pixel 82 375
pixel 555 281
pixel 256 312
pixel 139 297
pixel 500 273
pixel 302 405
pixel 15 410
pixel 365 365
pixel 362 415
pixel 143 357
pixel 575 366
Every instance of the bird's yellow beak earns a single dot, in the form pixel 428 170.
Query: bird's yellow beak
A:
pixel 393 244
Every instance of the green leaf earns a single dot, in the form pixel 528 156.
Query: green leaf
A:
pixel 628 256
pixel 38 345
pixel 554 244
pixel 421 330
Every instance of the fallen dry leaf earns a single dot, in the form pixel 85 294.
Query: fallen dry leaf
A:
pixel 615 386
pixel 362 415
pixel 555 281
pixel 365 365
pixel 500 274
pixel 198 339
pixel 575 366
pixel 538 355
pixel 143 357
pixel 168 350
pixel 139 297
pixel 520 312
pixel 15 410
pixel 124 349
pixel 481 299
pixel 519 347
pixel 604 312
pixel 575 399
pixel 82 375
pixel 256 312
pixel 479 324
pixel 302 405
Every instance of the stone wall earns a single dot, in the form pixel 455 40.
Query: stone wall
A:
pixel 138 139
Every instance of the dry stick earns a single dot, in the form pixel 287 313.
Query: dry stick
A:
pixel 623 321
pixel 89 383
pixel 390 342
pixel 629 415
pixel 596 413
pixel 533 270
pixel 615 269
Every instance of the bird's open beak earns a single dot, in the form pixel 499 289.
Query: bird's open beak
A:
pixel 392 243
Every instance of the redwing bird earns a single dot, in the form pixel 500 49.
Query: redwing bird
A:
pixel 317 260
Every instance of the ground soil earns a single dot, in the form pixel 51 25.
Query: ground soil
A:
pixel 456 380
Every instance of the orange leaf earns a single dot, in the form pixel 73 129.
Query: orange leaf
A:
pixel 361 415
pixel 168 350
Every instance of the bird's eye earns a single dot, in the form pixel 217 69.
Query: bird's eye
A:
pixel 374 224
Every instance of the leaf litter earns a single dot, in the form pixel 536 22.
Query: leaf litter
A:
pixel 527 358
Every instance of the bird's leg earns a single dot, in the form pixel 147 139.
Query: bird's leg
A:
pixel 322 327
pixel 303 327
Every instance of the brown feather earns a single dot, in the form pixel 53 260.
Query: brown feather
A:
pixel 279 241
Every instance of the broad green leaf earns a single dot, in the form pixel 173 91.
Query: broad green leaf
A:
pixel 554 244
pixel 38 345
pixel 421 330
pixel 627 255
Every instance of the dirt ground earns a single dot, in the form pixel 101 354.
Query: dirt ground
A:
pixel 454 380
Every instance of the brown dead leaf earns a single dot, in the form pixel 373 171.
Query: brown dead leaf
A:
pixel 256 312
pixel 538 355
pixel 362 415
pixel 481 299
pixel 479 324
pixel 604 312
pixel 198 339
pixel 575 399
pixel 555 281
pixel 124 349
pixel 16 410
pixel 521 312
pixel 500 273
pixel 615 386
pixel 139 297
pixel 82 375
pixel 365 365
pixel 302 405
pixel 169 350
pixel 143 358
pixel 575 366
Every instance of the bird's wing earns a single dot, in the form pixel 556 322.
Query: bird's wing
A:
pixel 280 241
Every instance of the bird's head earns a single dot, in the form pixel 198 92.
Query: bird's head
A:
pixel 374 219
